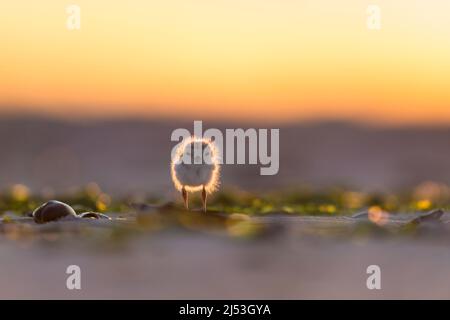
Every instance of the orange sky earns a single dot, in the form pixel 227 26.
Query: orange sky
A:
pixel 245 59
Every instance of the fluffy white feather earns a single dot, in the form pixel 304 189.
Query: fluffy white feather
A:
pixel 195 165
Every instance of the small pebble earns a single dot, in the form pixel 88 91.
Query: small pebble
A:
pixel 53 210
pixel 94 215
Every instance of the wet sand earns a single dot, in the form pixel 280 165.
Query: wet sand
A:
pixel 296 258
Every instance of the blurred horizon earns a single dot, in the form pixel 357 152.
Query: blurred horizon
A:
pixel 126 156
pixel 243 60
pixel 77 117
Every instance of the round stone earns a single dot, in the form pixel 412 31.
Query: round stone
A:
pixel 53 210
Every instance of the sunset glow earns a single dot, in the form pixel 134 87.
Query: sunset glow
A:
pixel 235 59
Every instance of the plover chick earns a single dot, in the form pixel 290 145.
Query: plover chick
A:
pixel 195 167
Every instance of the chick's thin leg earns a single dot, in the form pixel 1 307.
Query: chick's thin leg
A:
pixel 204 195
pixel 185 198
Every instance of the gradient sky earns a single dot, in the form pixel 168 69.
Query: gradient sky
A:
pixel 245 59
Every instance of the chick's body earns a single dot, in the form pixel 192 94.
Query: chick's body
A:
pixel 194 175
pixel 195 167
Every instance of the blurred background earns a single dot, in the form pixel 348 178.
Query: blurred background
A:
pixel 132 156
pixel 357 107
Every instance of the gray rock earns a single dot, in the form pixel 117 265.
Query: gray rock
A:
pixel 53 210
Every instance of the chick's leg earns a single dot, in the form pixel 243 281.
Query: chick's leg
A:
pixel 204 195
pixel 185 198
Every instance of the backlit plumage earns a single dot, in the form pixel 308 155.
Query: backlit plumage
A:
pixel 195 167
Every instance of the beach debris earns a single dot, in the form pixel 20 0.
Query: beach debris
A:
pixel 430 217
pixel 361 215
